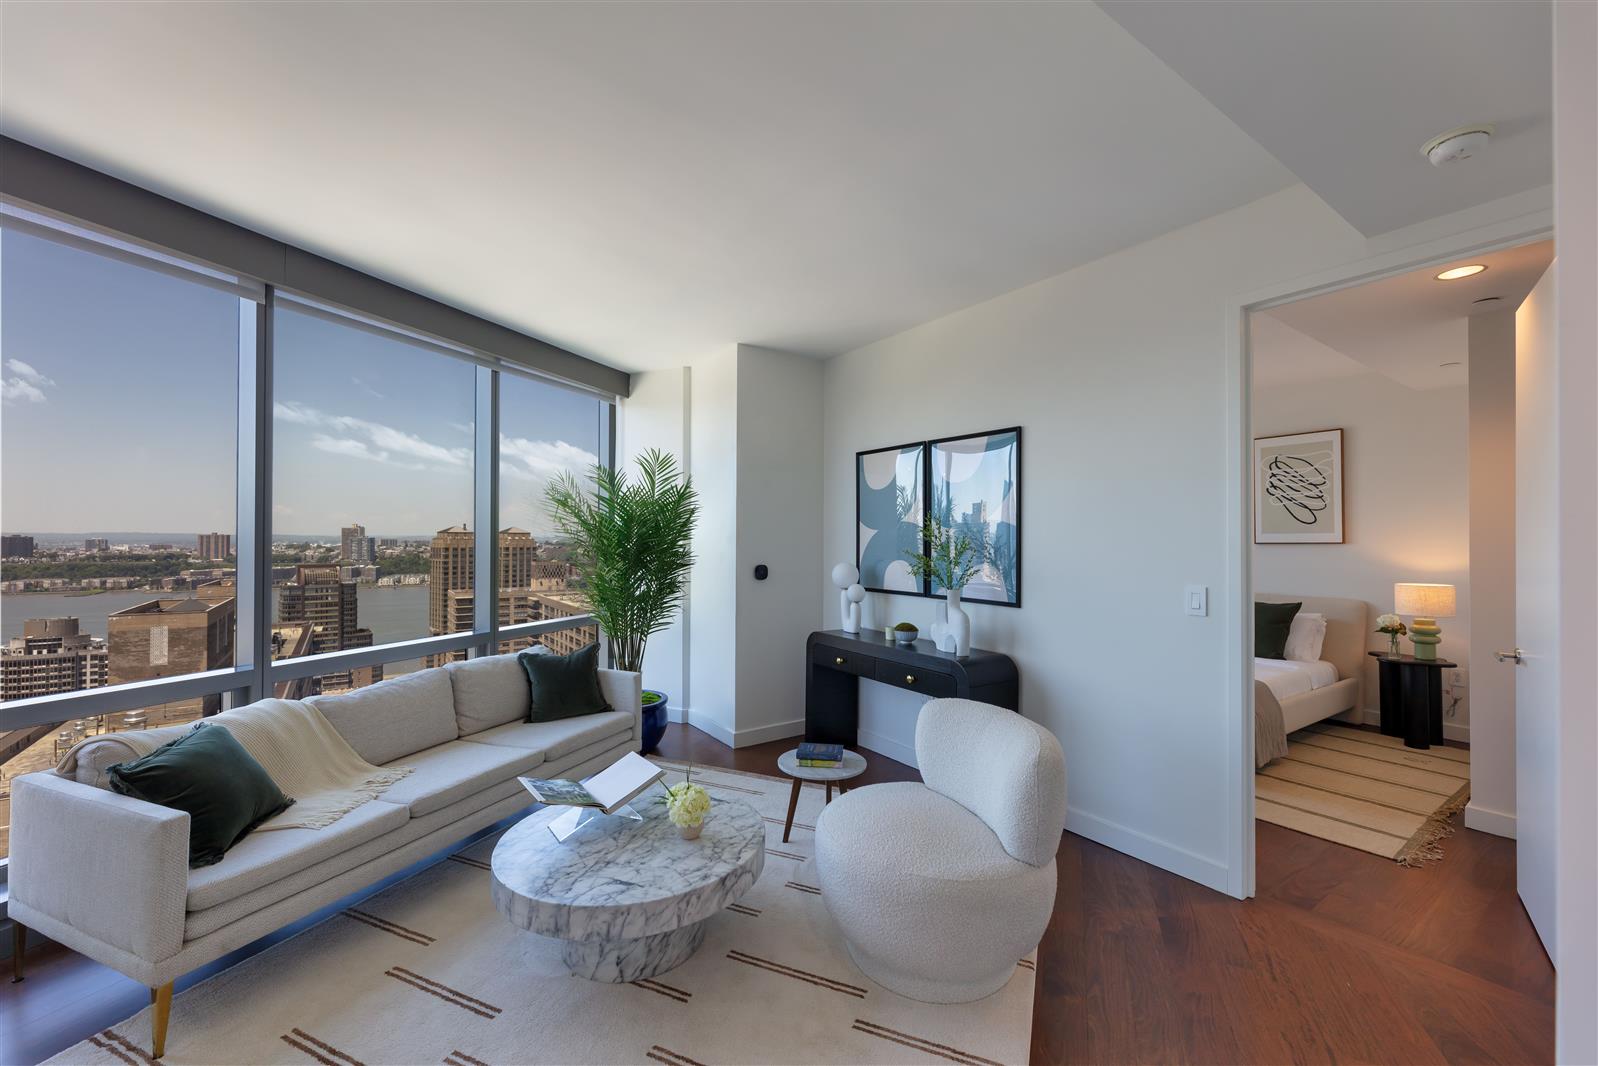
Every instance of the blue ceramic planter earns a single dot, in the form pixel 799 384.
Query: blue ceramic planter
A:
pixel 654 722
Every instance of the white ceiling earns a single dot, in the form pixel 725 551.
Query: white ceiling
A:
pixel 1405 326
pixel 1345 93
pixel 643 182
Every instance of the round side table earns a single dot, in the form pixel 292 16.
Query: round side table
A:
pixel 853 766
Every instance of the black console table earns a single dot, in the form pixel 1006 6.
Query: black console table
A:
pixel 836 661
pixel 1412 698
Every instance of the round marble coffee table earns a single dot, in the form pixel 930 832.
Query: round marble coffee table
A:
pixel 630 898
pixel 854 764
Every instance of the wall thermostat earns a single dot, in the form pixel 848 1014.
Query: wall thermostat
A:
pixel 761 572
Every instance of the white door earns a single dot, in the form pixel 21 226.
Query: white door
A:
pixel 1536 607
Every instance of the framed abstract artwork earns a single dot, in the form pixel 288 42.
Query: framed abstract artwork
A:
pixel 969 484
pixel 1298 488
pixel 890 487
pixel 975 489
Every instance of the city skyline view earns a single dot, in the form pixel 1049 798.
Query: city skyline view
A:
pixel 367 428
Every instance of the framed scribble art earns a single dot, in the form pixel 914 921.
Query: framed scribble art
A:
pixel 1298 488
pixel 889 505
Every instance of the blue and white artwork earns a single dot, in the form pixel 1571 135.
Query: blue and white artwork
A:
pixel 976 490
pixel 888 510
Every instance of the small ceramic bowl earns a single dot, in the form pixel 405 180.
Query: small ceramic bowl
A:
pixel 906 636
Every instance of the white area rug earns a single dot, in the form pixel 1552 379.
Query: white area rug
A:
pixel 428 972
pixel 1364 790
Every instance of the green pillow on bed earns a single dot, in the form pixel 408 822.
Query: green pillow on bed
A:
pixel 1272 622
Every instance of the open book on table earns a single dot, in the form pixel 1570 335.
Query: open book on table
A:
pixel 609 790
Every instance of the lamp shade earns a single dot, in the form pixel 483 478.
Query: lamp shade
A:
pixel 1423 601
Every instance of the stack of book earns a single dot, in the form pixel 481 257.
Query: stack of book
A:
pixel 824 756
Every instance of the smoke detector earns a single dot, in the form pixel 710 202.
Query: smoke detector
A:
pixel 1462 143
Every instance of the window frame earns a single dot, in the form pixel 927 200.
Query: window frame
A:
pixel 254 674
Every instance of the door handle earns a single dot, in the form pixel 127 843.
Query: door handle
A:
pixel 1518 656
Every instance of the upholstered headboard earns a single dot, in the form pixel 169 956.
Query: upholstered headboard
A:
pixel 1347 629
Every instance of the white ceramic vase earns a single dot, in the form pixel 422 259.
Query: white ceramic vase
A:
pixel 957 623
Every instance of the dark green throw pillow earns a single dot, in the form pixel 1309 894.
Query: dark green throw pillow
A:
pixel 207 773
pixel 1272 621
pixel 564 686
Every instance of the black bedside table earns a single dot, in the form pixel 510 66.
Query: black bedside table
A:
pixel 1412 698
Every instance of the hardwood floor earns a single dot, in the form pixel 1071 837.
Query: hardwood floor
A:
pixel 1342 957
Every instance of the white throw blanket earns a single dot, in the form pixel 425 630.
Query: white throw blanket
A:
pixel 297 746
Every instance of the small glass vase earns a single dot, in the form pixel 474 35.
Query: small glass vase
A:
pixel 1392 644
pixel 691 832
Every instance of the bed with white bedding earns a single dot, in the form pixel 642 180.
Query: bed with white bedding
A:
pixel 1322 681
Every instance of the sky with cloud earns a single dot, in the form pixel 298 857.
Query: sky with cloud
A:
pixel 119 396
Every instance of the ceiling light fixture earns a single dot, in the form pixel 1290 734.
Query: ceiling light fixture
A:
pixel 1455 273
pixel 1458 144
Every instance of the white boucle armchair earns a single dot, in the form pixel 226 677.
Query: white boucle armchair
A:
pixel 941 888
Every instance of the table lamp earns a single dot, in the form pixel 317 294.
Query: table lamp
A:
pixel 1426 604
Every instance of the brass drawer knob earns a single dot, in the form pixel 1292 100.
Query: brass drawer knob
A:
pixel 839 660
pixel 909 679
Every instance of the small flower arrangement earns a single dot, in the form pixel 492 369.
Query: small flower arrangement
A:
pixel 686 806
pixel 1394 627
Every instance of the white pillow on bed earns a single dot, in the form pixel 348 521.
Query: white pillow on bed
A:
pixel 1305 638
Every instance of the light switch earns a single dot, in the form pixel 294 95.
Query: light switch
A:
pixel 1198 600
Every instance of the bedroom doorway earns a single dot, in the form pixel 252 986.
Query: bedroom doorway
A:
pixel 1378 545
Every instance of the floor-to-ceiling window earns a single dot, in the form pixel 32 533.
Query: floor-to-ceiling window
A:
pixel 546 431
pixel 372 488
pixel 213 491
pixel 117 484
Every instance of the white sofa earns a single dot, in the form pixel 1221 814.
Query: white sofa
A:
pixel 108 875
pixel 941 888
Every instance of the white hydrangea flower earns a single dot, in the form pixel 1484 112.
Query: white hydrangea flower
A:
pixel 687 804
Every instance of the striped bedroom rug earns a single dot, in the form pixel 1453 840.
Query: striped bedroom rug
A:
pixel 1364 790
pixel 426 971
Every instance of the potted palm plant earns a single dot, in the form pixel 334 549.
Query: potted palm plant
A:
pixel 631 541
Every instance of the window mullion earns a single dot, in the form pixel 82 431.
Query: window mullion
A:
pixel 485 495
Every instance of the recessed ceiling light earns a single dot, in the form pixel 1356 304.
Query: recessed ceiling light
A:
pixel 1455 273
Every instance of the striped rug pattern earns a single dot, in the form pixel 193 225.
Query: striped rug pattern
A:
pixel 426 971
pixel 1364 790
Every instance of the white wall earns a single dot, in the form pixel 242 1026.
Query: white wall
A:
pixel 1492 572
pixel 655 415
pixel 748 420
pixel 713 603
pixel 1406 493
pixel 1576 237
pixel 778 524
pixel 1118 373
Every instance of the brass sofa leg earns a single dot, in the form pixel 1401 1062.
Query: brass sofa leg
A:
pixel 19 940
pixel 162 1000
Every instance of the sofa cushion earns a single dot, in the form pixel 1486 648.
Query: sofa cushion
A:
pixel 262 858
pixel 454 770
pixel 207 774
pixel 394 718
pixel 500 800
pixel 489 691
pixel 564 686
pixel 559 738
pixel 99 754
